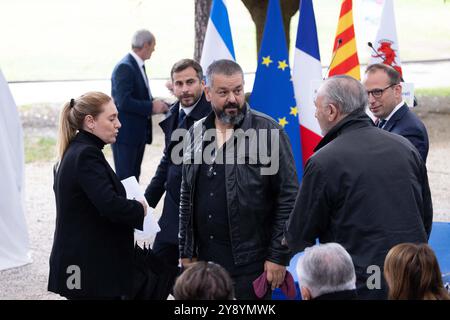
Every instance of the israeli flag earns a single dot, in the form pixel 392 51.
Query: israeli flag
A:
pixel 218 42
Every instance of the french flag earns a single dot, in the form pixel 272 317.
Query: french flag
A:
pixel 307 75
pixel 218 43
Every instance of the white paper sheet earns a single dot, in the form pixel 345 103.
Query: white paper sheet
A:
pixel 151 227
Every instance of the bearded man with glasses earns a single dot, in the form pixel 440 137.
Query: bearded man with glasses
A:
pixel 383 87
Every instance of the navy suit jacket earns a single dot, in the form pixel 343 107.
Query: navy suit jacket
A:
pixel 405 123
pixel 133 101
pixel 168 175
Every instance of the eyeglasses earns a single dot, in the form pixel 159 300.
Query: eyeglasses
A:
pixel 377 93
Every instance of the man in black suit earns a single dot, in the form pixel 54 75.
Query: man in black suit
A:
pixel 132 95
pixel 382 83
pixel 188 85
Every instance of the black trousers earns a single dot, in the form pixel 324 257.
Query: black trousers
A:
pixel 166 251
pixel 243 287
pixel 128 159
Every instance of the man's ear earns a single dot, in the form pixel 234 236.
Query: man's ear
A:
pixel 208 93
pixel 398 91
pixel 306 294
pixel 333 113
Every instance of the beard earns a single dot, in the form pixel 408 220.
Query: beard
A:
pixel 229 118
pixel 192 97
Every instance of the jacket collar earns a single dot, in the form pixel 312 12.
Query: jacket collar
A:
pixel 396 117
pixel 133 61
pixel 201 108
pixel 354 120
pixel 89 138
pixel 138 59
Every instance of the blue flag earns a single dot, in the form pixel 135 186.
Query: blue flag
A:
pixel 273 92
pixel 218 43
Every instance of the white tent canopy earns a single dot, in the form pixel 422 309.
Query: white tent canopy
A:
pixel 14 245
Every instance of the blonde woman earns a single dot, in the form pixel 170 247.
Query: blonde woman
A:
pixel 92 254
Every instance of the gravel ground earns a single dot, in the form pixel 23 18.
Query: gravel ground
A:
pixel 30 281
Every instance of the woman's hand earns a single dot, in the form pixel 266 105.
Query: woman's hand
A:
pixel 144 205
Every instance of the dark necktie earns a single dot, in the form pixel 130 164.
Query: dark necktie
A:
pixel 381 123
pixel 145 72
pixel 146 82
pixel 181 116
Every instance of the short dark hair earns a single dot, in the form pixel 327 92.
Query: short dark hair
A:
pixel 183 64
pixel 223 66
pixel 204 281
pixel 393 75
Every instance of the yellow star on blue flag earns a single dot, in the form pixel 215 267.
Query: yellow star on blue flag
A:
pixel 282 122
pixel 266 61
pixel 294 111
pixel 282 65
pixel 273 92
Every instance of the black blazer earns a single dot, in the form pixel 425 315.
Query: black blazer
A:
pixel 133 101
pixel 405 123
pixel 94 224
pixel 168 175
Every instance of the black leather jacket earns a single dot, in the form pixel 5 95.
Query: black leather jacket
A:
pixel 258 205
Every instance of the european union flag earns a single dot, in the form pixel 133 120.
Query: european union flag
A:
pixel 273 92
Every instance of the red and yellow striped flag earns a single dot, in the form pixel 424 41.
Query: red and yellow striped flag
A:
pixel 345 57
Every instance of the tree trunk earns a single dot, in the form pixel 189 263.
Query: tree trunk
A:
pixel 258 9
pixel 202 10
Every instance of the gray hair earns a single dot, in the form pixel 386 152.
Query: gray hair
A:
pixel 140 38
pixel 223 66
pixel 345 92
pixel 326 268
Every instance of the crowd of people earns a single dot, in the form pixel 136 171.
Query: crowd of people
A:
pixel 233 208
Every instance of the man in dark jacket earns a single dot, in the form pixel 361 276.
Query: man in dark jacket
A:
pixel 238 187
pixel 188 86
pixel 364 188
pixel 384 91
pixel 130 90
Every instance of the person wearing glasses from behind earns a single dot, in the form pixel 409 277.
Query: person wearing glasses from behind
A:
pixel 383 87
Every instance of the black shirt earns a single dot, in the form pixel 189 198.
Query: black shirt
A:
pixel 211 214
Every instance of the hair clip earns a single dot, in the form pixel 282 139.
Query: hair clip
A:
pixel 72 103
